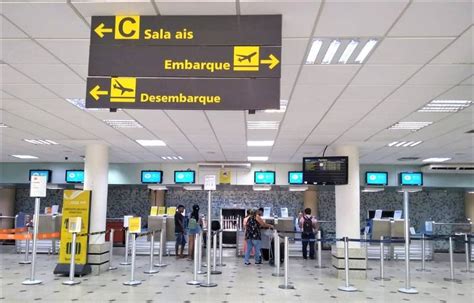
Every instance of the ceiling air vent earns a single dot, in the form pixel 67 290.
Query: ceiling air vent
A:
pixel 449 168
pixel 408 159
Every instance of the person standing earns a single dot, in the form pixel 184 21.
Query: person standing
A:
pixel 308 225
pixel 253 236
pixel 179 231
pixel 194 228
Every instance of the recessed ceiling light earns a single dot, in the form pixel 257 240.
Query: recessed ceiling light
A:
pixel 123 123
pixel 24 157
pixel 348 51
pixel 260 143
pixel 331 52
pixel 257 158
pixel 404 143
pixel 283 106
pixel 366 50
pixel 171 157
pixel 263 124
pixel 41 142
pixel 445 106
pixel 151 142
pixel 410 125
pixel 314 51
pixel 2 125
pixel 437 160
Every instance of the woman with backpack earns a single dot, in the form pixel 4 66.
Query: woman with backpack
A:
pixel 253 236
pixel 194 228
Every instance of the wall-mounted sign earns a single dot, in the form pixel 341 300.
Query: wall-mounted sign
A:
pixel 196 94
pixel 187 30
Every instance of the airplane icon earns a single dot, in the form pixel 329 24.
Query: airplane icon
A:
pixel 122 88
pixel 246 57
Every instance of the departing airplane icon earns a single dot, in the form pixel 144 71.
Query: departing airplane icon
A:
pixel 246 57
pixel 122 88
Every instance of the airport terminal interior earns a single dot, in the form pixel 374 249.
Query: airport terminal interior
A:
pixel 237 151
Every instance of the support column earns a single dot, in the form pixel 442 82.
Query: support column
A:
pixel 469 206
pixel 348 217
pixel 96 170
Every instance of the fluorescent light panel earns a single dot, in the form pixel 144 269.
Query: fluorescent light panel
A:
pixel 404 143
pixel 436 160
pixel 41 142
pixel 123 123
pixel 331 52
pixel 348 51
pixel 171 157
pixel 257 158
pixel 314 51
pixel 24 156
pixel 2 125
pixel 260 143
pixel 81 104
pixel 353 48
pixel 365 51
pixel 151 142
pixel 445 106
pixel 410 125
pixel 263 124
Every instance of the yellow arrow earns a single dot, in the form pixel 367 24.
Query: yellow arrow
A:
pixel 101 29
pixel 96 93
pixel 272 61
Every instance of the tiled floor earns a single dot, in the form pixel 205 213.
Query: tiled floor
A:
pixel 238 283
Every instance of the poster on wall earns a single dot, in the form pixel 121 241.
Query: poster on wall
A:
pixel 76 204
pixel 224 176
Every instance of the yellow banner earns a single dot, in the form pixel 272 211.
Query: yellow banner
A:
pixel 76 203
pixel 154 211
pixel 171 211
pixel 135 225
pixel 161 210
pixel 224 176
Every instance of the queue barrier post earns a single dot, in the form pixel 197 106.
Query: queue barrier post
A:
pixel 27 249
pixel 382 260
pixel 366 247
pixel 451 262
pixel 214 255
pixel 286 284
pixel 221 239
pixel 320 249
pixel 407 289
pixel 195 281
pixel 276 257
pixel 150 270
pixel 127 240
pixel 132 281
pixel 162 244
pixel 208 283
pixel 111 250
pixel 423 254
pixel 72 266
pixel 200 271
pixel 347 287
pixel 467 253
pixel 32 280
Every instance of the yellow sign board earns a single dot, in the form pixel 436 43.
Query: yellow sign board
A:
pixel 76 210
pixel 127 27
pixel 161 210
pixel 171 211
pixel 225 176
pixel 123 89
pixel 246 58
pixel 154 211
pixel 135 225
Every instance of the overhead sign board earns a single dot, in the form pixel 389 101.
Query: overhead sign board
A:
pixel 196 94
pixel 187 30
pixel 177 61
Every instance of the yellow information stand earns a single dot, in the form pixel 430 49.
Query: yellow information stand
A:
pixel 76 212
pixel 154 211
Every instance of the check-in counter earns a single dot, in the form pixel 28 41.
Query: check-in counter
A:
pixel 47 224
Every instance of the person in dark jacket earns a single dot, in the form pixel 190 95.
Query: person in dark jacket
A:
pixel 179 232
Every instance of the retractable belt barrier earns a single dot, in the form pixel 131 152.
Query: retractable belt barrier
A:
pixel 29 236
pixel 13 230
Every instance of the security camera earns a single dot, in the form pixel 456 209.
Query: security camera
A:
pixel 66 158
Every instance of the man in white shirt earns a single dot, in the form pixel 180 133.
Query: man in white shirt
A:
pixel 309 226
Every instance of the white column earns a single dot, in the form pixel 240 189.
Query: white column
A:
pixel 96 171
pixel 348 199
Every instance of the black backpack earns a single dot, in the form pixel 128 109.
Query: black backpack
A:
pixel 307 225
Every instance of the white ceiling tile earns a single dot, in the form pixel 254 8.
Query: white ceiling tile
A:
pixel 21 51
pixel 89 8
pixel 358 19
pixel 8 75
pixel 293 50
pixel 461 92
pixel 298 16
pixel 50 73
pixel 431 18
pixel 407 50
pixel 461 51
pixel 361 92
pixel 418 92
pixel 434 74
pixel 70 51
pixel 47 20
pixel 184 7
pixel 384 74
pixel 9 30
pixel 71 91
pixel 28 91
pixel 327 74
pixel 81 69
pixel 288 74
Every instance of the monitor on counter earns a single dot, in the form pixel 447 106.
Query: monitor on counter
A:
pixel 41 172
pixel 295 177
pixel 411 179
pixel 74 176
pixel 152 176
pixel 264 177
pixel 184 176
pixel 376 178
pixel 325 170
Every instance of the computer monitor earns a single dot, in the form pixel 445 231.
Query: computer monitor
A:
pixel 376 178
pixel 74 176
pixel 151 176
pixel 295 177
pixel 411 178
pixel 41 172
pixel 264 177
pixel 184 176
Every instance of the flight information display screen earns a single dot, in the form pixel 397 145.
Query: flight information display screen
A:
pixel 295 177
pixel 74 176
pixel 264 177
pixel 184 176
pixel 41 172
pixel 376 178
pixel 151 176
pixel 411 179
pixel 325 170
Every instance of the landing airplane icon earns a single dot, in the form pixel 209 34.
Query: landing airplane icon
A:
pixel 122 88
pixel 246 57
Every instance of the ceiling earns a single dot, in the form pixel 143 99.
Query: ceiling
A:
pixel 424 51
